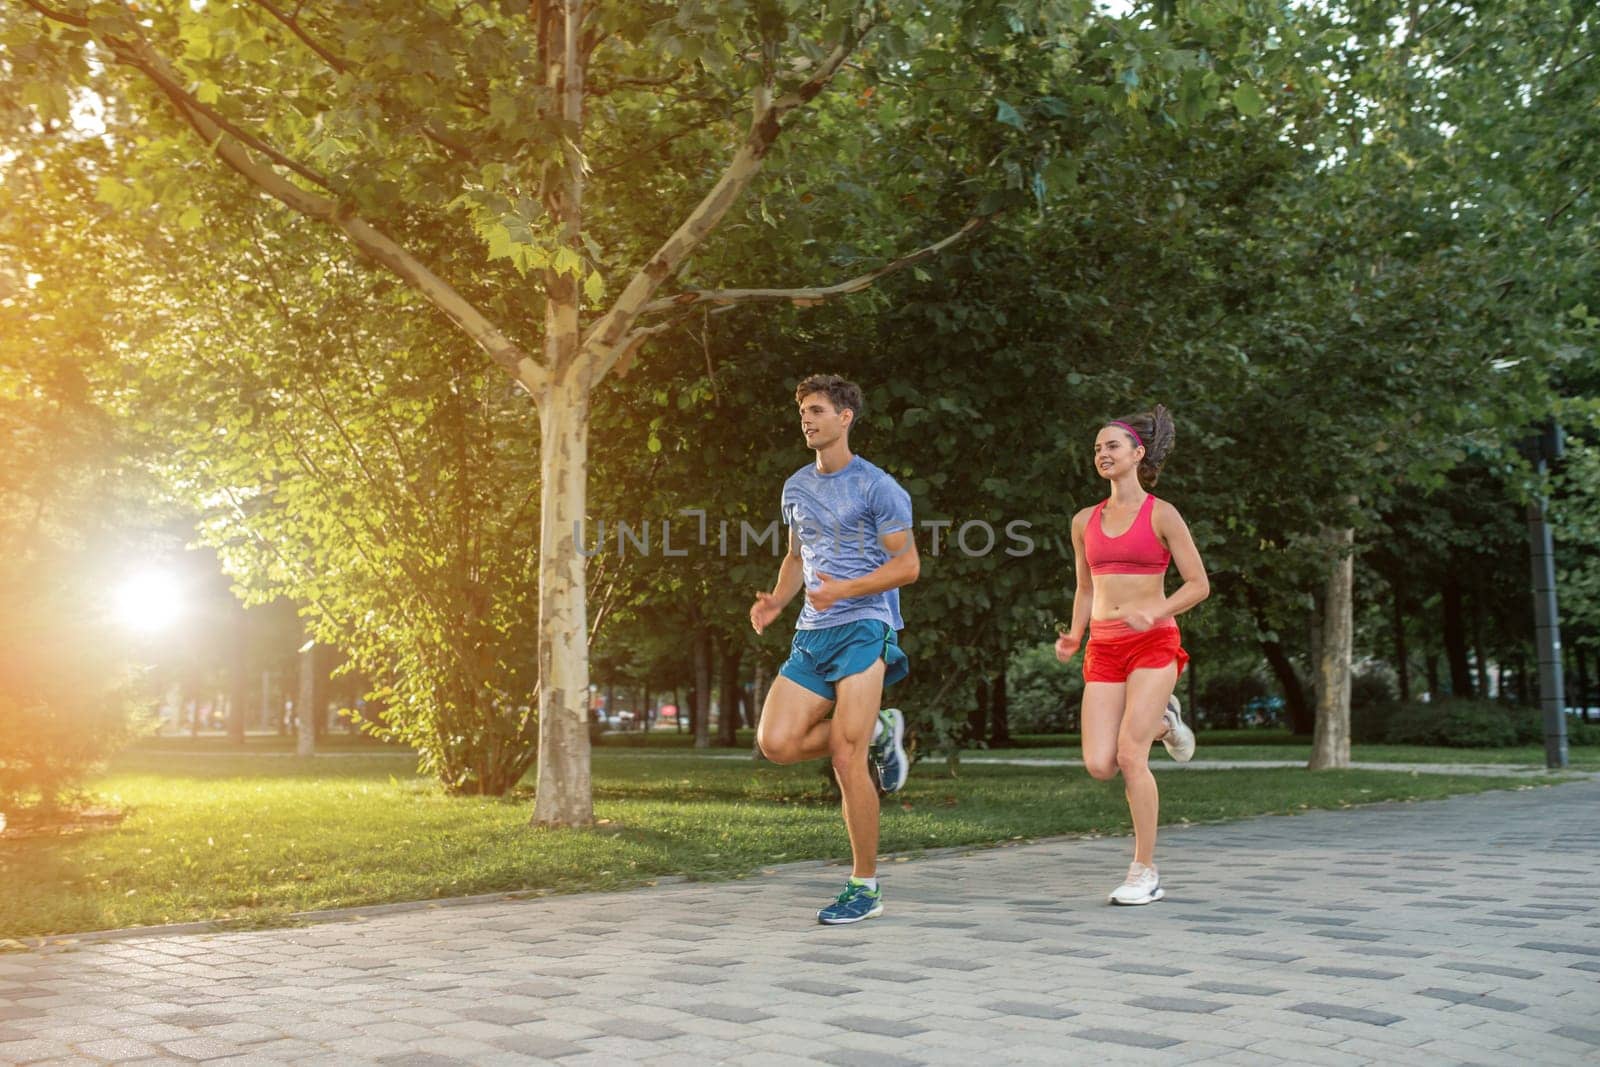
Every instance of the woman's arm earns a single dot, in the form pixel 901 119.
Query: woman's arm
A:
pixel 1083 599
pixel 1174 533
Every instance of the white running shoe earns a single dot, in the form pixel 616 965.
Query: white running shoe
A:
pixel 1143 886
pixel 1179 739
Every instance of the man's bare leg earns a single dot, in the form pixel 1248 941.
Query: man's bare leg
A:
pixel 794 724
pixel 854 721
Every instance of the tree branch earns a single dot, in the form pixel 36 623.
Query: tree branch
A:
pixel 808 296
pixel 605 340
pixel 433 131
pixel 229 145
pixel 727 299
pixel 1573 199
pixel 292 23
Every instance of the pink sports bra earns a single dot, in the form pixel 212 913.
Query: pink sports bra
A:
pixel 1135 551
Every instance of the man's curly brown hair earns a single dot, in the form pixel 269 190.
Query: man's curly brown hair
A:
pixel 841 393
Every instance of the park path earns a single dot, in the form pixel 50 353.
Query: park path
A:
pixel 1458 931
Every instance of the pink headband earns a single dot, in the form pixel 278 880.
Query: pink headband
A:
pixel 1137 439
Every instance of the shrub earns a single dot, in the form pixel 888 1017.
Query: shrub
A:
pixel 67 702
pixel 1042 696
pixel 1580 734
pixel 1372 704
pixel 1462 723
pixel 1223 701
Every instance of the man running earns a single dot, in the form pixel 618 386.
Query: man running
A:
pixel 851 548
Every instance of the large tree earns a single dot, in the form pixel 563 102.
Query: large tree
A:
pixel 537 128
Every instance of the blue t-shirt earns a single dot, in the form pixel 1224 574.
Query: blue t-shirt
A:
pixel 837 519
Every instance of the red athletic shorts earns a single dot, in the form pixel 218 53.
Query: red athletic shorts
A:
pixel 1117 649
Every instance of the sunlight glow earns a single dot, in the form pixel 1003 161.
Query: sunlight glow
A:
pixel 148 601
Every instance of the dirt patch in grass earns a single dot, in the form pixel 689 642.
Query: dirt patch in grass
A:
pixel 59 823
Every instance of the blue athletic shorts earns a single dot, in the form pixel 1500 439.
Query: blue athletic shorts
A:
pixel 818 659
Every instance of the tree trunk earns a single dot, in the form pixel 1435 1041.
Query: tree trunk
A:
pixel 702 687
pixel 1454 633
pixel 238 676
pixel 1302 719
pixel 978 717
pixel 305 701
pixel 1583 681
pixel 1194 705
pixel 1479 659
pixel 729 657
pixel 999 711
pixel 1402 669
pixel 319 691
pixel 758 700
pixel 1433 675
pixel 1330 743
pixel 564 795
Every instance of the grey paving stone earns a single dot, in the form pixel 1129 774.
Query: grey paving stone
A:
pixel 821 989
pixel 1478 1000
pixel 866 1024
pixel 1551 946
pixel 1356 972
pixel 201 1048
pixel 1237 989
pixel 1069 950
pixel 1579 1033
pixel 1348 935
pixel 1263 955
pixel 1131 1038
pixel 505 1015
pixel 882 974
pixel 1387 952
pixel 1135 967
pixel 544 1048
pixel 1340 1011
pixel 1187 1005
pixel 1031 1010
pixel 951 963
pixel 31 1051
pixel 851 1058
pixel 691 978
pixel 727 1012
pixel 637 1029
pixel 1473 967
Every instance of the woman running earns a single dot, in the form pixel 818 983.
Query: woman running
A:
pixel 1122 547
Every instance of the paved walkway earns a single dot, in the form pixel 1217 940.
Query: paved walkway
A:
pixel 1456 931
pixel 1488 770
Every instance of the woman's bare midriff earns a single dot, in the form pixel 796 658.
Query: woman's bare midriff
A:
pixel 1115 595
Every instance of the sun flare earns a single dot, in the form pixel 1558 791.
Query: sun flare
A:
pixel 148 601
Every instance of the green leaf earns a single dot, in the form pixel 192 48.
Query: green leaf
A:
pixel 110 191
pixel 1004 112
pixel 1248 101
pixel 568 262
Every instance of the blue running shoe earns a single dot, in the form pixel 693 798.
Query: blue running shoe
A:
pixel 888 753
pixel 857 902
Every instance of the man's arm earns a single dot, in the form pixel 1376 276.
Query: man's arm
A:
pixel 902 567
pixel 791 576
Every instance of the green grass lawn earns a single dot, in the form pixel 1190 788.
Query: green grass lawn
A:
pixel 257 837
pixel 1214 744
